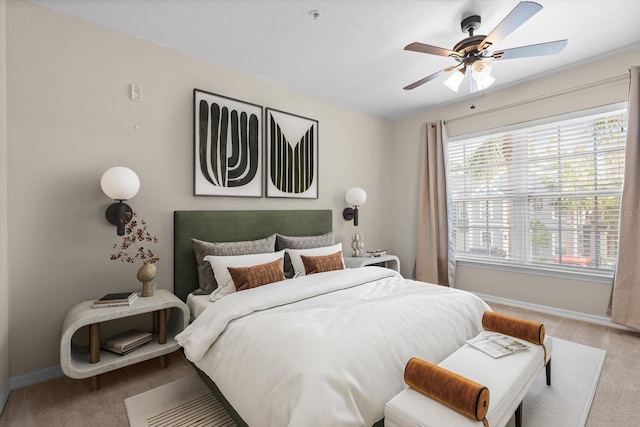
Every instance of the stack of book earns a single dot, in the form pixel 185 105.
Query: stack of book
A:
pixel 116 300
pixel 126 342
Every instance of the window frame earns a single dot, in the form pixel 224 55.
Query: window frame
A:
pixel 525 265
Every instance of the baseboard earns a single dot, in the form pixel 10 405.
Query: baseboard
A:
pixel 576 315
pixel 36 377
pixel 4 395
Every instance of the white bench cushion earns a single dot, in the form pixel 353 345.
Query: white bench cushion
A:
pixel 508 379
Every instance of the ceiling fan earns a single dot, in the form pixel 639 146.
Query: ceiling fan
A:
pixel 472 52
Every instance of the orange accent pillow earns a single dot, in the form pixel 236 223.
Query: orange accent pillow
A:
pixel 457 392
pixel 318 264
pixel 524 329
pixel 257 275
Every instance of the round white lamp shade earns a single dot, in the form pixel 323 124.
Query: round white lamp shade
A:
pixel 355 196
pixel 120 183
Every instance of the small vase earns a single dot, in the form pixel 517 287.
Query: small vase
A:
pixel 146 274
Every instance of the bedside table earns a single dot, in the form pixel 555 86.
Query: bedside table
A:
pixel 388 261
pixel 170 317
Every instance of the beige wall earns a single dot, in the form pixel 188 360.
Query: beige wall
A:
pixel 526 101
pixel 4 286
pixel 70 118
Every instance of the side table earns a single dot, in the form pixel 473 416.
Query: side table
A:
pixel 170 317
pixel 388 261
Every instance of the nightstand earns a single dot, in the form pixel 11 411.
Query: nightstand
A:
pixel 388 261
pixel 170 317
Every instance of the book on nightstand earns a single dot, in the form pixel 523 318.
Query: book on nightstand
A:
pixel 126 342
pixel 116 300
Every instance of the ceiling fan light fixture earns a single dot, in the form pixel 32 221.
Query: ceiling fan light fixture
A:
pixel 480 70
pixel 473 51
pixel 455 80
pixel 485 83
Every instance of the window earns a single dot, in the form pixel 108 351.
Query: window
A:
pixel 544 196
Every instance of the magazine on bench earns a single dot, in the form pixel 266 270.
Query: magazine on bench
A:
pixel 496 344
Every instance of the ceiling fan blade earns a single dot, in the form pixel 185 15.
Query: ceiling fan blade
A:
pixel 518 16
pixel 427 48
pixel 549 48
pixel 429 78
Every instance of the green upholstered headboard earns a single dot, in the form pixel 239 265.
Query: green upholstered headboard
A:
pixel 233 226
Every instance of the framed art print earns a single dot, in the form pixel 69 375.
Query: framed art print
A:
pixel 227 146
pixel 291 155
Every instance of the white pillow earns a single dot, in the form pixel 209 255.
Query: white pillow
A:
pixel 219 264
pixel 296 256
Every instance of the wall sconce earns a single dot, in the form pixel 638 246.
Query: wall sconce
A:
pixel 119 183
pixel 355 197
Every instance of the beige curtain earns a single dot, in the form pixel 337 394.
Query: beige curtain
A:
pixel 626 286
pixel 435 262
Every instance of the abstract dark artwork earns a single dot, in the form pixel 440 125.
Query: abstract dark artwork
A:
pixel 292 155
pixel 227 146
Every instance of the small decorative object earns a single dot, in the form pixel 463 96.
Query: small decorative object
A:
pixel 131 250
pixel 292 155
pixel 357 244
pixel 146 274
pixel 377 252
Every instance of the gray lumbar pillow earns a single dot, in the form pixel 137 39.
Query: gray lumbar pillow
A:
pixel 300 242
pixel 206 280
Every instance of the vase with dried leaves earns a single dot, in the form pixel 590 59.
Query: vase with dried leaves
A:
pixel 135 247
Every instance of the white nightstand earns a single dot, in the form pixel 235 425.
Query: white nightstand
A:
pixel 388 261
pixel 170 317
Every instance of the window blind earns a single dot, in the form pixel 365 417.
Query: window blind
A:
pixel 544 196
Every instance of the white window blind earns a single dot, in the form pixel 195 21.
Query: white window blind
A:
pixel 546 196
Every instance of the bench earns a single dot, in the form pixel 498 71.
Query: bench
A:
pixel 508 380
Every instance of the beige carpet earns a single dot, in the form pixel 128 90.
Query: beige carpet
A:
pixel 186 403
pixel 575 373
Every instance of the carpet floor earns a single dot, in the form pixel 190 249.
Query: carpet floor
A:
pixel 575 373
pixel 66 402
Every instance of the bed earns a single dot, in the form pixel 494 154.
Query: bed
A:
pixel 326 349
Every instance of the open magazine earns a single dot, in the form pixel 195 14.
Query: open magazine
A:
pixel 495 344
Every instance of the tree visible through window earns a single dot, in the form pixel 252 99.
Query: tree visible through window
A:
pixel 545 196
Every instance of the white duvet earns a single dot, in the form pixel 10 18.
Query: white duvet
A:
pixel 327 349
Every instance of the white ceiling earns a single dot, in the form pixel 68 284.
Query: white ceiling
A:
pixel 353 53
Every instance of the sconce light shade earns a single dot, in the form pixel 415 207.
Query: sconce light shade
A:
pixel 119 183
pixel 355 197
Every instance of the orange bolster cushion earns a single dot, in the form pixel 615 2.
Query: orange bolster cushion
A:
pixel 451 389
pixel 524 329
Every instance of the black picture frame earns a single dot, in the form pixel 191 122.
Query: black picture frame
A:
pixel 228 146
pixel 291 155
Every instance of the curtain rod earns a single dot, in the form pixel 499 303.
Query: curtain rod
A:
pixel 542 97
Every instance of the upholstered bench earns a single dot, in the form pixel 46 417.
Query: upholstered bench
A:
pixel 507 379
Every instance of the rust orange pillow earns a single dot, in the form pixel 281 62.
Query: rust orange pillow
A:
pixel 318 264
pixel 257 275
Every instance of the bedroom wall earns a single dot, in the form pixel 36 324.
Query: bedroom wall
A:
pixel 514 104
pixel 70 118
pixel 4 286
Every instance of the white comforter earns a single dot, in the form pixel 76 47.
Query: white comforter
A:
pixel 327 349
